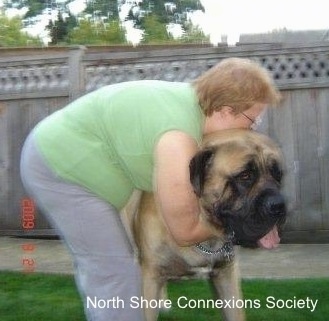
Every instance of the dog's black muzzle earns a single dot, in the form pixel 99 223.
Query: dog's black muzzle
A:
pixel 253 219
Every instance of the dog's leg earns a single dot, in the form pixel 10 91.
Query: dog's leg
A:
pixel 152 290
pixel 227 287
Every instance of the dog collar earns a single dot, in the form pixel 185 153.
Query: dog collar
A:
pixel 226 251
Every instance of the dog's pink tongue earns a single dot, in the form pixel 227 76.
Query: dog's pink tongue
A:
pixel 271 240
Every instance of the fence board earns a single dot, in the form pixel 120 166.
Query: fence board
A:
pixel 4 164
pixel 323 151
pixel 304 110
pixel 20 117
pixel 281 129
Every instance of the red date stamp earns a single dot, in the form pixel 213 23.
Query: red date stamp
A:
pixel 28 215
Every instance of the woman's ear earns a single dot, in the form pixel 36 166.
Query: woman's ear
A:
pixel 227 111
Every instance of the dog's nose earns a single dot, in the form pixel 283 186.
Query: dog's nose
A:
pixel 275 205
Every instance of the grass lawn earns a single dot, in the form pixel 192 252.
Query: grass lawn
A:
pixel 43 297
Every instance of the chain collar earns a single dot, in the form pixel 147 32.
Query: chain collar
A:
pixel 226 251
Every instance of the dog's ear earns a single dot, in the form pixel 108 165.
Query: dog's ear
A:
pixel 198 169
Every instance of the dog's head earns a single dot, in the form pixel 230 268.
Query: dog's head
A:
pixel 237 176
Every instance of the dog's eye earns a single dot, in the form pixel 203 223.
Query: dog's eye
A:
pixel 276 172
pixel 246 175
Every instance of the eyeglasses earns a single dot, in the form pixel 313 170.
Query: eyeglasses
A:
pixel 254 122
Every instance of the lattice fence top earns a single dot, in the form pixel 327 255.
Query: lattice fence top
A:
pixel 35 78
pixel 287 69
pixel 297 67
pixel 184 71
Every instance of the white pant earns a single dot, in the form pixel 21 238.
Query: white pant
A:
pixel 92 229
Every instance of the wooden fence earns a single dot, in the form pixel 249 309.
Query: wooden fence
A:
pixel 36 82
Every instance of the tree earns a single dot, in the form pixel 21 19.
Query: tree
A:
pixel 105 8
pixel 11 34
pixel 57 30
pixel 152 16
pixel 183 5
pixel 149 15
pixel 35 7
pixel 97 33
pixel 60 28
pixel 154 30
pixel 194 34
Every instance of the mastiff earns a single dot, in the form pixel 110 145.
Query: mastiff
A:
pixel 237 177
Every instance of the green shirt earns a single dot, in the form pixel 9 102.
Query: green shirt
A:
pixel 105 140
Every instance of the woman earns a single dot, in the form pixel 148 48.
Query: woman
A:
pixel 82 163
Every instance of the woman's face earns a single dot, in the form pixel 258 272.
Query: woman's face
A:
pixel 227 119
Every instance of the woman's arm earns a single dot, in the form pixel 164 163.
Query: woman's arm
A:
pixel 173 191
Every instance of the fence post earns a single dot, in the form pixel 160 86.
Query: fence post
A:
pixel 76 72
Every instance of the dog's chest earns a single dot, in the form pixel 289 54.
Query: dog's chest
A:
pixel 189 262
